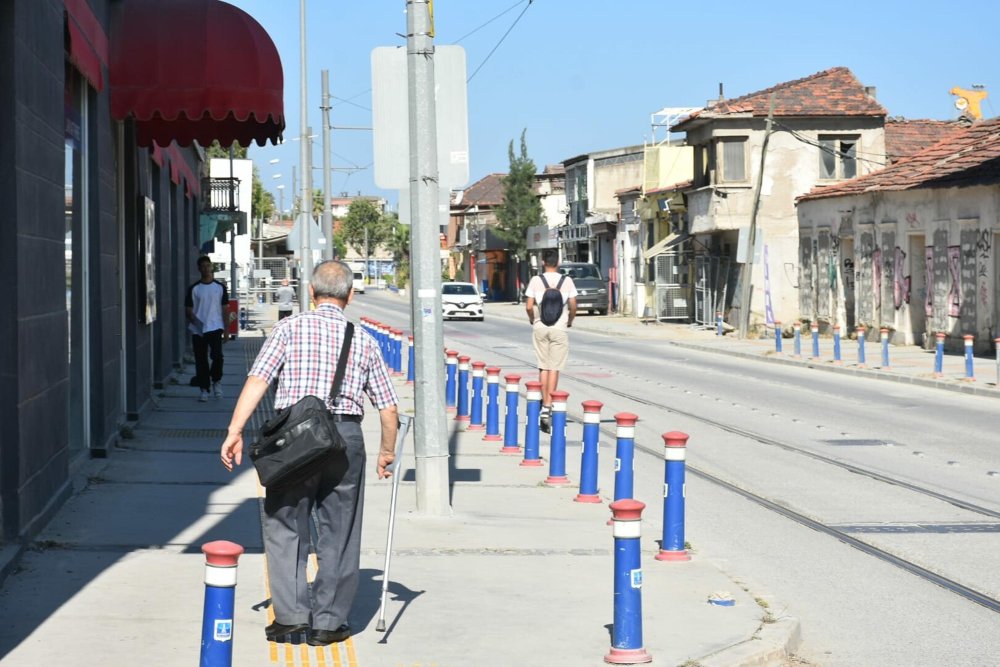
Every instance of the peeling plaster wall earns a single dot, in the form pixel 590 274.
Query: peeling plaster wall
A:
pixel 923 261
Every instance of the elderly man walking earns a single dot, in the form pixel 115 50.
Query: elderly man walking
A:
pixel 301 353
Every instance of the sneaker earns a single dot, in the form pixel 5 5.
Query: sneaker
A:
pixel 204 396
pixel 217 389
pixel 543 422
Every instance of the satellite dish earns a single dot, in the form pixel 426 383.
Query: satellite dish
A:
pixel 961 103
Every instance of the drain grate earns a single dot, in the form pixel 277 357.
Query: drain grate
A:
pixel 193 433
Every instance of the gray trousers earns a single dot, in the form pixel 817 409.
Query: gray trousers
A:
pixel 337 494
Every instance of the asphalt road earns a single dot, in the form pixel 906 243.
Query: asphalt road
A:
pixel 912 471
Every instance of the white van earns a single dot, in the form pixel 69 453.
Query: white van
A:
pixel 359 282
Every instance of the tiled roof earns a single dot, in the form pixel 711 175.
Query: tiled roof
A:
pixel 832 92
pixel 905 137
pixel 965 158
pixel 629 189
pixel 487 191
pixel 676 187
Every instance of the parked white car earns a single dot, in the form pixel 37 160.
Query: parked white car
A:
pixel 461 301
pixel 359 282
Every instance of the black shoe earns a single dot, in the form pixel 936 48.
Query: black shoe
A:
pixel 544 424
pixel 325 637
pixel 277 630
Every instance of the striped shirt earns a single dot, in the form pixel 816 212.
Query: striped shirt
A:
pixel 302 353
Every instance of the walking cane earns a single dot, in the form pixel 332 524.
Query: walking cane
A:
pixel 404 426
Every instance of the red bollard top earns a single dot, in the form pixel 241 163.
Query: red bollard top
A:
pixel 451 353
pixel 512 378
pixel 592 406
pixel 836 327
pixel 533 385
pixel 675 439
pixel 411 339
pixel 626 419
pixel 814 325
pixel 884 330
pixel 861 329
pixel 396 332
pixel 627 509
pixel 777 323
pixel 464 359
pixel 478 365
pixel 940 335
pixel 222 553
pixel 968 337
pixel 493 370
pixel 560 396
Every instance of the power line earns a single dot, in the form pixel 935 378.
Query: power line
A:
pixel 475 30
pixel 833 151
pixel 493 50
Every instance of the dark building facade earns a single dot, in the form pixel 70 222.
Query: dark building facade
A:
pixel 99 240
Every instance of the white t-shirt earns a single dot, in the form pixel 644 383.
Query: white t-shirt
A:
pixel 207 300
pixel 536 288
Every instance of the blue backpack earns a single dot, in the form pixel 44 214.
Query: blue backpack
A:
pixel 551 305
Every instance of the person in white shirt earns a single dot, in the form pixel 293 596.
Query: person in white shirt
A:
pixel 551 342
pixel 205 304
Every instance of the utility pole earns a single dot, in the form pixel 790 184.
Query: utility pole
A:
pixel 368 278
pixel 430 433
pixel 233 292
pixel 747 272
pixel 327 211
pixel 305 242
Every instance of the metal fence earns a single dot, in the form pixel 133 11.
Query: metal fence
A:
pixel 710 287
pixel 670 292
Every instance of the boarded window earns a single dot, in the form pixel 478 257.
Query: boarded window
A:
pixel 734 160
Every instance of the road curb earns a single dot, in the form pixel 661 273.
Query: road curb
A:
pixel 771 645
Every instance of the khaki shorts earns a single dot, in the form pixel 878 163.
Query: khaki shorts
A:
pixel 551 347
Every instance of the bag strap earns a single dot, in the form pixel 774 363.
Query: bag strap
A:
pixel 338 377
pixel 544 281
pixel 559 284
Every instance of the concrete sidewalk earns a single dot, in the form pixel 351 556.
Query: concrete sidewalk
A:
pixel 907 363
pixel 518 575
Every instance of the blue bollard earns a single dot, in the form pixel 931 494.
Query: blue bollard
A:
pixel 718 323
pixel 451 380
pixel 510 445
pixel 861 347
pixel 969 375
pixel 624 453
pixel 797 329
pixel 626 633
pixel 243 319
pixel 221 558
pixel 939 355
pixel 884 340
pixel 588 459
pixel 836 343
pixel 397 351
pixel 674 492
pixel 409 362
pixel 557 450
pixel 533 408
pixel 462 414
pixel 478 375
pixel 996 347
pixel 777 336
pixel 492 404
pixel 814 330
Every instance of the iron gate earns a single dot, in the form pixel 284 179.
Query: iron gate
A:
pixel 670 295
pixel 710 286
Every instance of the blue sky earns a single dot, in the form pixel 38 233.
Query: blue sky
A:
pixel 585 75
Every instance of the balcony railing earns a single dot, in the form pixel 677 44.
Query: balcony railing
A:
pixel 223 193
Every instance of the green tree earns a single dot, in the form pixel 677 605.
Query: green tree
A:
pixel 520 207
pixel 398 243
pixel 262 205
pixel 363 215
pixel 222 152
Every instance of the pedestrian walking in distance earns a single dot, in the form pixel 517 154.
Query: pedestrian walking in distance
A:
pixel 205 304
pixel 301 354
pixel 551 307
pixel 284 295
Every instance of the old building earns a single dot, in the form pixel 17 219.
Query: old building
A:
pixel 827 127
pixel 911 247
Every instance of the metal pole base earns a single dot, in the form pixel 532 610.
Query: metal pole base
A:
pixel 678 556
pixel 587 498
pixel 631 656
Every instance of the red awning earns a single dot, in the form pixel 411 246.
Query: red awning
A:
pixel 190 70
pixel 87 43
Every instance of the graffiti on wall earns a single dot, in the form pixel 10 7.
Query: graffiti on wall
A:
pixel 983 245
pixel 900 283
pixel 877 278
pixel 929 272
pixel 954 299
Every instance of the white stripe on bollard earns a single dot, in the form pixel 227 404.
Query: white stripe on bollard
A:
pixel 674 453
pixel 220 577
pixel 512 387
pixel 558 406
pixel 625 432
pixel 478 373
pixel 493 379
pixel 627 529
pixel 534 396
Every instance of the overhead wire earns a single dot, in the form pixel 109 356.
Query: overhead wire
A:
pixel 475 30
pixel 502 38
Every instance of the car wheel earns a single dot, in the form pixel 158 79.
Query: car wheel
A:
pixel 590 312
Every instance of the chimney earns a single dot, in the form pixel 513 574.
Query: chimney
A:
pixel 722 96
pixel 870 91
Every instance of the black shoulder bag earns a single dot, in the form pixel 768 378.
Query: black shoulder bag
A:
pixel 302 438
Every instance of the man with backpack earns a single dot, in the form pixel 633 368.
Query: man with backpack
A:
pixel 554 294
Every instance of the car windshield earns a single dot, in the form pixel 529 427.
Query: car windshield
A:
pixel 458 289
pixel 581 271
pixel 359 276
